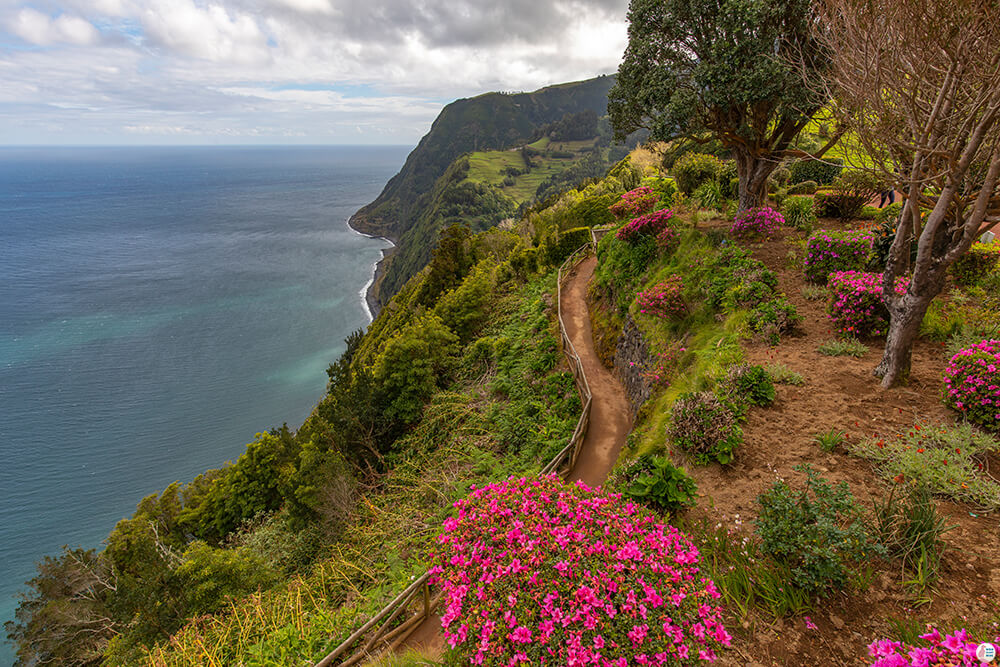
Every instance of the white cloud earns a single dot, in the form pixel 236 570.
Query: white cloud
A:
pixel 211 32
pixel 37 28
pixel 275 68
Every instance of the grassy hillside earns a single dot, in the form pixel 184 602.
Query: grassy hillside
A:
pixel 481 189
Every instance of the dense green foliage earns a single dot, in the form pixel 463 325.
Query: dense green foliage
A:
pixel 693 170
pixel 693 67
pixel 657 482
pixel 819 172
pixel 817 531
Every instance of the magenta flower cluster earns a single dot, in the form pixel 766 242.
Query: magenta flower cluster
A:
pixel 956 650
pixel 634 203
pixel 668 240
pixel 665 299
pixel 536 571
pixel 856 307
pixel 827 252
pixel 972 383
pixel 756 223
pixel 650 224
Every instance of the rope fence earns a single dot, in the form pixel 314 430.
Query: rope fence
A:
pixel 385 637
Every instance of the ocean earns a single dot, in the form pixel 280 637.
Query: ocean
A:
pixel 158 307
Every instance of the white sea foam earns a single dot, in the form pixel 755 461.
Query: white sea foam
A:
pixel 364 290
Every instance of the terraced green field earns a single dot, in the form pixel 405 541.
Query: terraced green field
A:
pixel 549 158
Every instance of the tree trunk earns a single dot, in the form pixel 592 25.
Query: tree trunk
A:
pixel 905 317
pixel 753 172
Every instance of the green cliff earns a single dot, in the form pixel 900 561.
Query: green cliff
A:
pixel 430 191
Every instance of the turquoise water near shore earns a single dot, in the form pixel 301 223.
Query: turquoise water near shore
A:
pixel 159 306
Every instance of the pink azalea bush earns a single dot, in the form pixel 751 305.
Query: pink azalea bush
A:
pixel 663 365
pixel 756 223
pixel 651 224
pixel 664 299
pixel 955 650
pixel 972 383
pixel 668 240
pixel 856 307
pixel 634 203
pixel 537 571
pixel 827 252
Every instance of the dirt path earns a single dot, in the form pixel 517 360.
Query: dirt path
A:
pixel 610 416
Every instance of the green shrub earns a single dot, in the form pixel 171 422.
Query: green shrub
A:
pixel 890 213
pixel 464 308
pixel 780 177
pixel 803 188
pixel 910 529
pixel 869 212
pixel 558 248
pixel 821 172
pixel 946 459
pixel 851 191
pixel 693 169
pixel 709 195
pixel 974 265
pixel 748 579
pixel 942 320
pixel 524 261
pixel 664 187
pixel 773 318
pixel 798 212
pixel 883 236
pixel 732 266
pixel 412 364
pixel 705 427
pixel 747 294
pixel 817 530
pixel 729 180
pixel 782 374
pixel 843 347
pixel 655 481
pixel 749 384
pixel 830 440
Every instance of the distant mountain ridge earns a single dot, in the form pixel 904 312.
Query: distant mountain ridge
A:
pixel 491 121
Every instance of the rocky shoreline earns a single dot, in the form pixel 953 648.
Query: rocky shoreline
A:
pixel 371 300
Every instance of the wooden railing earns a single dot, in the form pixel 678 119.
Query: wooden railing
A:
pixel 572 450
pixel 386 637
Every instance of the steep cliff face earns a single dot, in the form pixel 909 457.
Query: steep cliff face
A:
pixel 486 122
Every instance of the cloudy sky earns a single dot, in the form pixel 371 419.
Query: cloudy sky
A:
pixel 280 71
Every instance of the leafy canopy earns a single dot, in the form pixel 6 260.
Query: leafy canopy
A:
pixel 719 66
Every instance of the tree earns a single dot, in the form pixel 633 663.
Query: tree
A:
pixel 64 617
pixel 716 66
pixel 412 364
pixel 919 84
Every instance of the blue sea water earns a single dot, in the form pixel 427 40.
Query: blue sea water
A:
pixel 158 307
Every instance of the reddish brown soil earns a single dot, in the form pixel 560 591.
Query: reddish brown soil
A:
pixel 610 416
pixel 841 393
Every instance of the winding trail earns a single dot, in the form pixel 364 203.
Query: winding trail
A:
pixel 610 415
pixel 610 420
